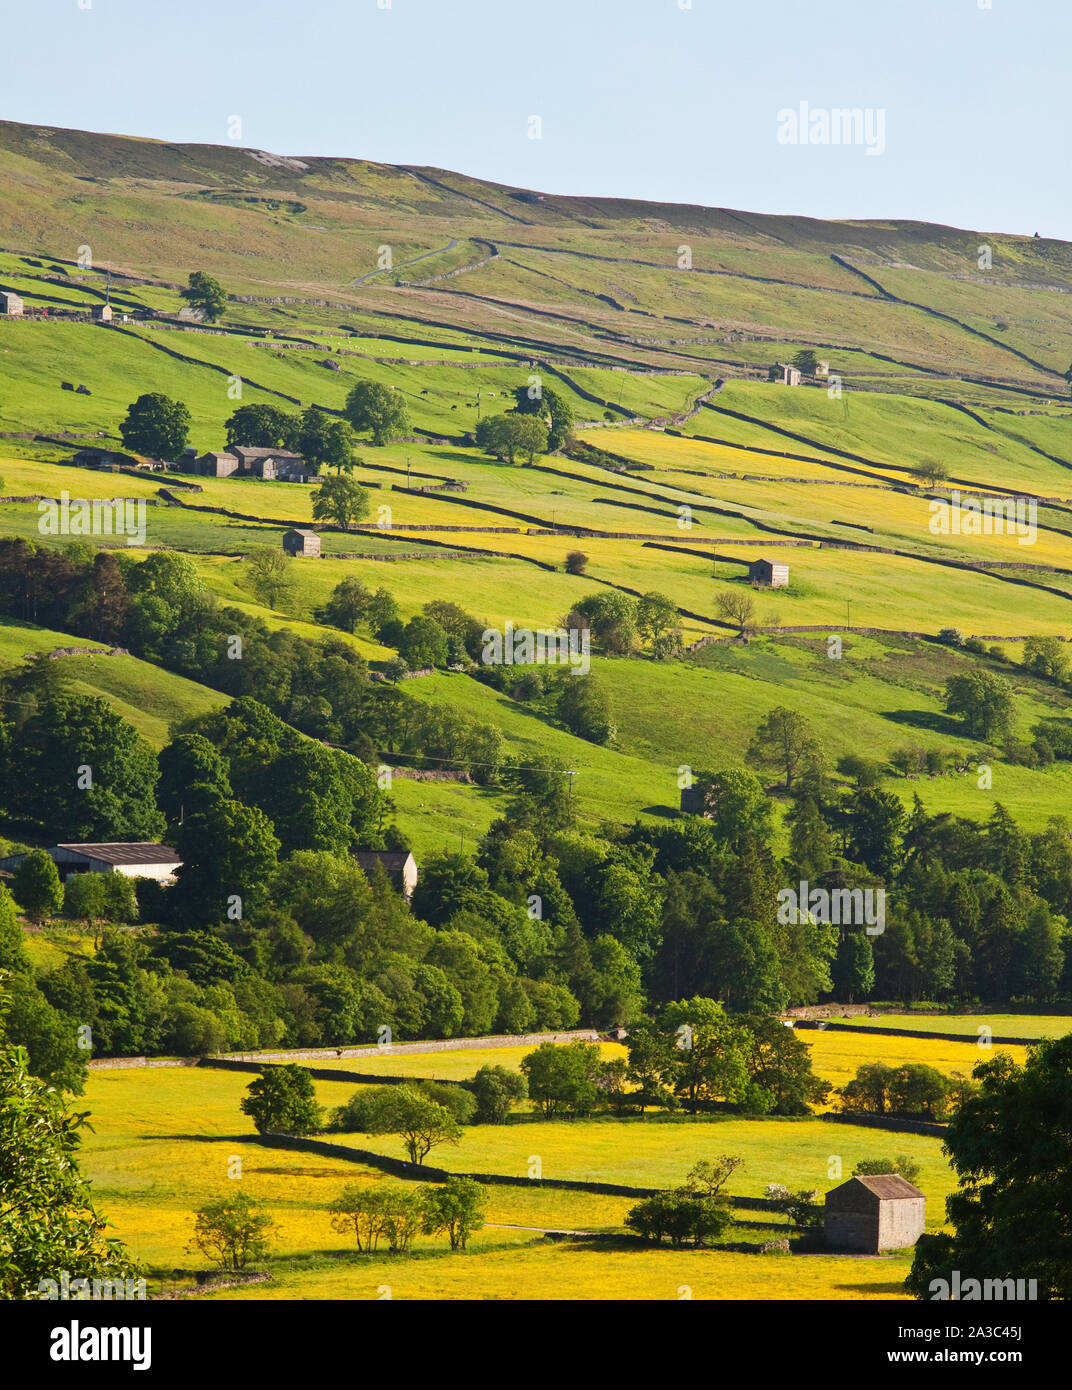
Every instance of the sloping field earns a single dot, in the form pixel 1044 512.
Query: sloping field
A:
pixel 145 695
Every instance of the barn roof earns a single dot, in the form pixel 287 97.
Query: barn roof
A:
pixel 250 451
pixel 126 852
pixel 301 531
pixel 390 858
pixel 887 1187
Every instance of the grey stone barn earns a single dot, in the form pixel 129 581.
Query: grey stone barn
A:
pixel 11 303
pixel 399 865
pixel 270 464
pixel 873 1214
pixel 216 463
pixel 301 542
pixel 766 575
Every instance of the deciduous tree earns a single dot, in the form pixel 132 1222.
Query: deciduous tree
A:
pixel 283 1101
pixel 156 427
pixel 207 294
pixel 233 1231
pixel 378 409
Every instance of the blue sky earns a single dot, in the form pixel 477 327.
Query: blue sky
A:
pixel 659 99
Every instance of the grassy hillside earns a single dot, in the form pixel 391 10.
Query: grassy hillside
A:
pixel 487 285
pixel 685 465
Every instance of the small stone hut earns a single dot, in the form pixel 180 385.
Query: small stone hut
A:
pixel 766 575
pixel 874 1214
pixel 301 542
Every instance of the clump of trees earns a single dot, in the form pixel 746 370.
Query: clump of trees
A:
pixel 507 436
pixel 261 426
pixel 982 700
pixel 913 1091
pixel 422 1116
pixel 907 1167
pixel 583 705
pixel 562 1078
pixel 692 1055
pixel 801 1208
pixel 496 1091
pixel 398 1214
pixel 693 1214
pixel 550 408
pixel 380 1211
pixel 100 898
pixel 619 624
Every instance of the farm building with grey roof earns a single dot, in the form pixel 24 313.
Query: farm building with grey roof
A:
pixel 874 1213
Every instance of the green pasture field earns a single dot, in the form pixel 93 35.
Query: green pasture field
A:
pixel 857 319
pixel 145 695
pixel 1026 318
pixel 435 816
pixel 896 432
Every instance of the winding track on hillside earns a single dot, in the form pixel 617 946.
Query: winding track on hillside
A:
pixel 386 270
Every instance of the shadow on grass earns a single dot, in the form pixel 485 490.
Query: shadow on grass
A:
pixel 205 1138
pixel 931 720
pixel 887 1290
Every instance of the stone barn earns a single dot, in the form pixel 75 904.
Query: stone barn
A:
pixel 217 463
pixel 102 313
pixel 785 373
pixel 10 303
pixel 399 865
pixel 768 576
pixel 873 1214
pixel 301 542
